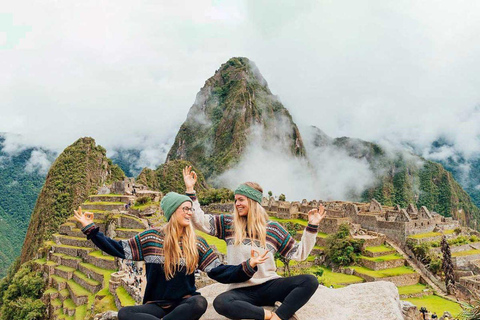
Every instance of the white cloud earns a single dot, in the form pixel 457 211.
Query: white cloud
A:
pixel 124 73
pixel 39 162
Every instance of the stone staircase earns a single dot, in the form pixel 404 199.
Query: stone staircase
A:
pixel 78 274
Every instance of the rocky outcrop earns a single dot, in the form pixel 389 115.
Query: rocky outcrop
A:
pixel 376 300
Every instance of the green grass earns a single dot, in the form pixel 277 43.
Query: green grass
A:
pixel 70 237
pixel 51 263
pixel 393 256
pixel 69 304
pixel 98 254
pixel 40 261
pixel 101 203
pixel 416 288
pixel 72 247
pixel 50 290
pixel 65 268
pixel 145 206
pixel 86 279
pixel 105 272
pixel 77 289
pixel 379 249
pixel 384 273
pixel 58 279
pixel 105 304
pixel 64 293
pixel 299 221
pixel 437 304
pixel 81 312
pixel 337 280
pixel 430 234
pixel 56 302
pixel 466 253
pixel 124 297
pixel 107 195
pixel 219 243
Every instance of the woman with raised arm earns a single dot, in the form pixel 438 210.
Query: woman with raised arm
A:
pixel 171 254
pixel 249 226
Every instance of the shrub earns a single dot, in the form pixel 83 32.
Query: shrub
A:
pixel 435 265
pixel 215 196
pixel 143 200
pixel 342 249
pixel 457 231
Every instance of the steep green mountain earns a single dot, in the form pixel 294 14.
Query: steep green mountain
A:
pixel 234 107
pixel 168 177
pixel 403 178
pixel 78 171
pixel 20 185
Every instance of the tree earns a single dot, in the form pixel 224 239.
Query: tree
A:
pixel 342 249
pixel 281 197
pixel 447 266
pixel 270 193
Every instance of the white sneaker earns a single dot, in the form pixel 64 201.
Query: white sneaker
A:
pixel 278 304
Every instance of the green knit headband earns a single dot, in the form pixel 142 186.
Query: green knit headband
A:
pixel 249 192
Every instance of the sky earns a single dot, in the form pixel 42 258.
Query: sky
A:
pixel 126 73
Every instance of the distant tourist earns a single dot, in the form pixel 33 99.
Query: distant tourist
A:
pixel 247 227
pixel 434 315
pixel 170 289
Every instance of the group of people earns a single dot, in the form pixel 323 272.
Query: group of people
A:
pixel 172 254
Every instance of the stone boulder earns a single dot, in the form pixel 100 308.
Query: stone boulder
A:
pixel 373 300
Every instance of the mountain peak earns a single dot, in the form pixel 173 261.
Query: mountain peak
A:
pixel 234 106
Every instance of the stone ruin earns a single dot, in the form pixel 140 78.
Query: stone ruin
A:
pixel 395 222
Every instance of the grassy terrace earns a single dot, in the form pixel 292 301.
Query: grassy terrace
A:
pixel 65 268
pixel 299 221
pixel 393 256
pixel 145 206
pixel 337 280
pixel 136 230
pixel 103 203
pixel 219 243
pixel 105 272
pixel 58 279
pixel 384 273
pixel 436 304
pixel 430 234
pixel 78 289
pixel 86 279
pixel 416 288
pixel 466 253
pixel 379 249
pixel 124 297
pixel 98 254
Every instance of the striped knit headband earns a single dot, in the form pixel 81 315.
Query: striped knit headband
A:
pixel 249 192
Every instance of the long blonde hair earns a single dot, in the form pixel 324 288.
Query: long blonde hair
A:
pixel 172 251
pixel 254 225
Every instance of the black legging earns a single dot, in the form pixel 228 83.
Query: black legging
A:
pixel 188 309
pixel 245 303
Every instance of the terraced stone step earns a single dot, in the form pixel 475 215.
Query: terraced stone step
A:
pixel 71 250
pixel 414 291
pixel 72 241
pixel 382 262
pixel 378 251
pixel 66 260
pixel 96 273
pixel 58 282
pixel 99 223
pixel 64 272
pixel 64 294
pixel 78 293
pixel 130 222
pixel 106 206
pixel 51 293
pixel 69 307
pixel 401 276
pixel 111 198
pixel 85 281
pixel 102 261
pixel 127 233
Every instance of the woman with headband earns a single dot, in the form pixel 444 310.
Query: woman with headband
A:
pixel 171 254
pixel 249 227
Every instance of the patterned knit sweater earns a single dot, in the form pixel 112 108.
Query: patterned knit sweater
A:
pixel 278 240
pixel 148 246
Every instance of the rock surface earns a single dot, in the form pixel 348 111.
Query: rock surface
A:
pixel 374 300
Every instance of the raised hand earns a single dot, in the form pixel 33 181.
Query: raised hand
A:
pixel 315 216
pixel 256 258
pixel 190 178
pixel 84 218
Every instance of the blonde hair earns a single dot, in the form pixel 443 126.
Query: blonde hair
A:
pixel 254 225
pixel 172 251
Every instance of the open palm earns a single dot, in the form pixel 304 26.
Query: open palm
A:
pixel 190 178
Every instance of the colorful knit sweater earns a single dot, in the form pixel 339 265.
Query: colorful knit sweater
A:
pixel 278 240
pixel 148 246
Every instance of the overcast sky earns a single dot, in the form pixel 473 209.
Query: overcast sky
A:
pixel 127 72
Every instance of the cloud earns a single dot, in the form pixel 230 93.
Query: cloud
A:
pixel 404 72
pixel 39 162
